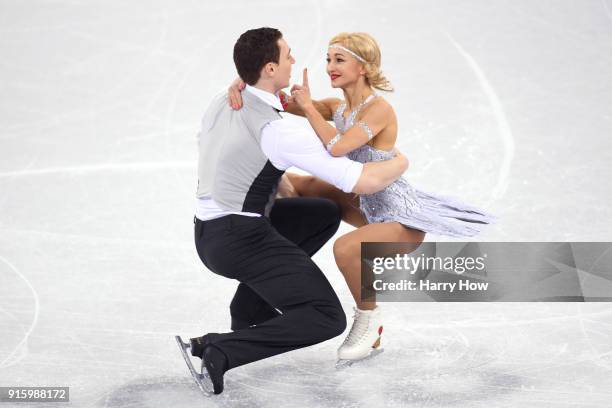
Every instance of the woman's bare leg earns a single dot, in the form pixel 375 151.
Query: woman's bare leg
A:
pixel 347 251
pixel 310 186
pixel 347 248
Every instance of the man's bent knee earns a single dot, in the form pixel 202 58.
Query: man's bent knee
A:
pixel 330 212
pixel 333 321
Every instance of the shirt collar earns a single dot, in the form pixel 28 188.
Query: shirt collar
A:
pixel 266 96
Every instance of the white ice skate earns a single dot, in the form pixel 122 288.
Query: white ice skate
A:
pixel 363 341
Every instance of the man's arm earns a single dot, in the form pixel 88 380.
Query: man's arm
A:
pixel 288 143
pixel 378 175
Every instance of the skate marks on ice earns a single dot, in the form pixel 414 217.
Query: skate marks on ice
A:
pixel 162 391
pixel 480 361
pixel 478 130
pixel 343 364
pixel 551 359
pixel 100 168
pixel 595 328
pixel 309 377
pixel 505 356
pixel 504 129
pixel 12 323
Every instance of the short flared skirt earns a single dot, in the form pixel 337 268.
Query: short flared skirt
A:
pixel 431 213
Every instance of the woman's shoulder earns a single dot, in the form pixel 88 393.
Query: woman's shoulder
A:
pixel 379 106
pixel 381 103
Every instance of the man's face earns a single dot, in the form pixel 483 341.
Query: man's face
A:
pixel 285 62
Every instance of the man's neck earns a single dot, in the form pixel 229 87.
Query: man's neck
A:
pixel 268 87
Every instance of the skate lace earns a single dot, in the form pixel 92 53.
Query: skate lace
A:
pixel 359 328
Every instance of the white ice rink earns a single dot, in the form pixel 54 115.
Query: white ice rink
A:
pixel 506 104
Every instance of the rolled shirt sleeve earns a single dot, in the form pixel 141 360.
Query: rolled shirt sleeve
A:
pixel 292 142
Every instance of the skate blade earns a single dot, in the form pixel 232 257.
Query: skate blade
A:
pixel 202 379
pixel 342 364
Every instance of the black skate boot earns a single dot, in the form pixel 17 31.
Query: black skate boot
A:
pixel 214 364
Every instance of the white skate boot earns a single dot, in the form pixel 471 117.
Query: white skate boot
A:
pixel 364 338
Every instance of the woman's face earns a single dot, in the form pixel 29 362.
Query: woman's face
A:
pixel 342 68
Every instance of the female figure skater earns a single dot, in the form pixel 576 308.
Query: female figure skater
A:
pixel 366 130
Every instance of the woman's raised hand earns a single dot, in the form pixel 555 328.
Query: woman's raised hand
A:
pixel 301 93
pixel 233 93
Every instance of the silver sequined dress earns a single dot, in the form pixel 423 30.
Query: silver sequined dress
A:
pixel 400 202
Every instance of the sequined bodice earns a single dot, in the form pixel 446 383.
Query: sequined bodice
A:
pixel 343 124
pixel 399 197
pixel 365 153
pixel 400 202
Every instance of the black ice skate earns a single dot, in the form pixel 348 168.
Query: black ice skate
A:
pixel 213 366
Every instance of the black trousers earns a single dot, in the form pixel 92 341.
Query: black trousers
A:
pixel 283 301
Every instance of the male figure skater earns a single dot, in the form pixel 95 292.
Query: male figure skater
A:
pixel 283 301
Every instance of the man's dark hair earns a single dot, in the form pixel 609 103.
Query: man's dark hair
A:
pixel 253 50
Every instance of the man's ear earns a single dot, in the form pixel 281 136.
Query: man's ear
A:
pixel 269 69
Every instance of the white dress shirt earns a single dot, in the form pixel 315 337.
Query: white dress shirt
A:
pixel 288 142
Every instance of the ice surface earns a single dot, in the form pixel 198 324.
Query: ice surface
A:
pixel 506 104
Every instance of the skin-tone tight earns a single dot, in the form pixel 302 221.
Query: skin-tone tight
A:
pixel 347 248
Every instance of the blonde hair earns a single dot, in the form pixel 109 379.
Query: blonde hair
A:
pixel 364 45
